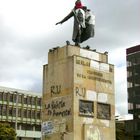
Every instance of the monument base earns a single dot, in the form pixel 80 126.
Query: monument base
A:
pixel 78 95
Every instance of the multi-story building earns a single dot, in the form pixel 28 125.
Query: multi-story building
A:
pixel 133 79
pixel 121 134
pixel 22 110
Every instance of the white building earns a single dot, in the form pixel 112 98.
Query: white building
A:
pixel 22 110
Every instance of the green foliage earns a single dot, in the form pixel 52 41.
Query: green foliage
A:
pixel 7 132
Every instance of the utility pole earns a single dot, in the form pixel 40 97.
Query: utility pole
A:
pixel 16 120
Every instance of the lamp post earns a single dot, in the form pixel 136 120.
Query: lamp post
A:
pixel 16 120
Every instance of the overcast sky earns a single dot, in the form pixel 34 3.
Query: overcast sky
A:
pixel 28 31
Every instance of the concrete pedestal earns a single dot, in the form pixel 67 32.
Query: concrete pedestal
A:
pixel 78 95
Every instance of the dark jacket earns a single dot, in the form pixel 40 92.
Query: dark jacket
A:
pixel 87 32
pixel 76 23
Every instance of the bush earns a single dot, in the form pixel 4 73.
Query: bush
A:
pixel 7 132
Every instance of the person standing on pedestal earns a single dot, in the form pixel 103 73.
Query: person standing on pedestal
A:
pixel 79 21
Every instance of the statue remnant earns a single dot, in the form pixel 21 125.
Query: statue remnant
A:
pixel 84 22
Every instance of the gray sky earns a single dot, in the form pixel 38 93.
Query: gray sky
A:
pixel 28 31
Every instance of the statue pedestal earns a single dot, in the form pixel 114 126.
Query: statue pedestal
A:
pixel 78 95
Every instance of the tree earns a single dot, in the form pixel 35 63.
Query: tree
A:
pixel 7 132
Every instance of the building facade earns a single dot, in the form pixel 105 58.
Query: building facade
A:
pixel 22 110
pixel 133 79
pixel 78 95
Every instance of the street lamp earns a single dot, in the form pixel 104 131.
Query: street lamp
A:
pixel 16 120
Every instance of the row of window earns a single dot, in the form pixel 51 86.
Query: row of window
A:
pixel 24 113
pixel 134 94
pixel 26 127
pixel 130 84
pixel 86 108
pixel 132 106
pixel 133 61
pixel 20 99
pixel 130 73
pixel 30 127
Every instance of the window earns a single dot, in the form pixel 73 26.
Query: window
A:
pixel 11 97
pixel 14 98
pixel 129 73
pixel 39 101
pixel 1 94
pixel 10 111
pixel 129 84
pixel 19 98
pixel 138 125
pixel 5 96
pixel 33 114
pixel 136 60
pixel 0 109
pixel 86 108
pixel 137 106
pixel 25 113
pixel 29 100
pixel 103 111
pixel 129 63
pixel 110 69
pixel 23 126
pixel 33 100
pixel 14 112
pixel 130 106
pixel 37 128
pixel 29 113
pixel 38 114
pixel 19 112
pixel 22 98
pixel 26 127
pixel 4 110
pixel 25 100
pixel 29 127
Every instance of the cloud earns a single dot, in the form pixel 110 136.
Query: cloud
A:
pixel 19 71
pixel 117 24
pixel 28 31
pixel 121 89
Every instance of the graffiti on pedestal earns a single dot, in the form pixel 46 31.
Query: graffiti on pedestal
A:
pixel 55 90
pixel 53 126
pixel 59 107
pixel 80 91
